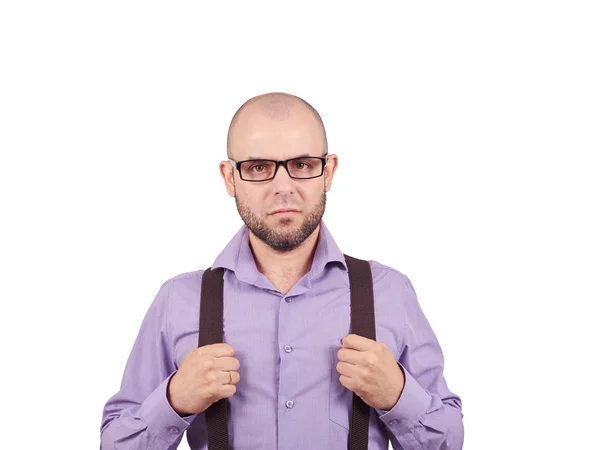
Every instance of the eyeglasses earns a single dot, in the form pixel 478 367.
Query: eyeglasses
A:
pixel 302 168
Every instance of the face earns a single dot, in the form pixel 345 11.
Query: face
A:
pixel 256 136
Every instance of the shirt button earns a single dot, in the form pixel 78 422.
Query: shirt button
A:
pixel 289 404
pixel 287 348
pixel 393 422
pixel 287 299
pixel 174 430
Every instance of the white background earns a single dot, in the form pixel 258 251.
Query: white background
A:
pixel 468 137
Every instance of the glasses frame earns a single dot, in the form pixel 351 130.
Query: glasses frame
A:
pixel 238 164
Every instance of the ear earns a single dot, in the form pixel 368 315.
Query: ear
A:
pixel 330 168
pixel 228 174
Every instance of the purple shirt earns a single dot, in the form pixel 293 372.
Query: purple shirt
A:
pixel 289 395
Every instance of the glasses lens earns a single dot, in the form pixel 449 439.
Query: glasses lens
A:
pixel 257 170
pixel 305 167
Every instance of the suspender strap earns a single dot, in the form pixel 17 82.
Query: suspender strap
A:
pixel 362 322
pixel 211 332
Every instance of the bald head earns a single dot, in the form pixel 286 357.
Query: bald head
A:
pixel 277 106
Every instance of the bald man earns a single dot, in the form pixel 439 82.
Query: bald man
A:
pixel 287 367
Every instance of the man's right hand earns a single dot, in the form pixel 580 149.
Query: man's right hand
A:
pixel 203 378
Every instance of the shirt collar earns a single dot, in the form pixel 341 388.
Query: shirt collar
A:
pixel 327 252
pixel 237 255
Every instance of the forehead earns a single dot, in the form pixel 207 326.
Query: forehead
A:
pixel 259 136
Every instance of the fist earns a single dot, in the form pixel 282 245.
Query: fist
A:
pixel 206 375
pixel 369 369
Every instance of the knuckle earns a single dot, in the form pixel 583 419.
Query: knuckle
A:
pixel 371 359
pixel 208 363
pixel 229 349
pixel 211 377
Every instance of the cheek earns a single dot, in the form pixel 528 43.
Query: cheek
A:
pixel 313 197
pixel 255 201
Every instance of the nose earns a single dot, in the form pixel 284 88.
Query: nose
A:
pixel 282 181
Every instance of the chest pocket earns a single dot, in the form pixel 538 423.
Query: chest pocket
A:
pixel 340 398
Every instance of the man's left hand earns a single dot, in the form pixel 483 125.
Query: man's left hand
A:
pixel 369 369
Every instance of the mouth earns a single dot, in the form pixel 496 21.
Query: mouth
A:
pixel 281 212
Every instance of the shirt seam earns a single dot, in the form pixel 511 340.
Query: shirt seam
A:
pixel 404 324
pixel 171 341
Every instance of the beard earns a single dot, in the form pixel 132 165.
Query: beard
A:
pixel 282 239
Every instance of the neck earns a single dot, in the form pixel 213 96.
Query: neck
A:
pixel 294 263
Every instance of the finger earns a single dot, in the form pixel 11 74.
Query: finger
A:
pixel 356 342
pixel 348 370
pixel 350 356
pixel 235 377
pixel 226 391
pixel 218 350
pixel 346 382
pixel 228 377
pixel 226 363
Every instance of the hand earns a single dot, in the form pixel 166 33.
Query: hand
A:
pixel 369 369
pixel 203 378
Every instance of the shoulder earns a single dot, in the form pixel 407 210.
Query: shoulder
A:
pixel 181 284
pixel 181 294
pixel 185 280
pixel 385 274
pixel 392 287
pixel 194 275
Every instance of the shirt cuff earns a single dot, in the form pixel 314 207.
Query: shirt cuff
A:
pixel 161 418
pixel 409 408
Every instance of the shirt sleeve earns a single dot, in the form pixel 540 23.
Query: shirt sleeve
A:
pixel 427 415
pixel 139 415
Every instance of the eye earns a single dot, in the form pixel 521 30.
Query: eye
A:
pixel 301 165
pixel 258 168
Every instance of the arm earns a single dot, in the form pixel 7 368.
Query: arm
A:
pixel 139 416
pixel 427 415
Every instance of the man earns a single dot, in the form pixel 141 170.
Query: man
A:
pixel 288 364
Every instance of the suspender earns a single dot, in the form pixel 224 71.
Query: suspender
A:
pixel 362 322
pixel 211 332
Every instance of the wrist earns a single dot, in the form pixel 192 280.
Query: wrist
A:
pixel 396 392
pixel 173 402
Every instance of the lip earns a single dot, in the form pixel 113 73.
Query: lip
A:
pixel 285 211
